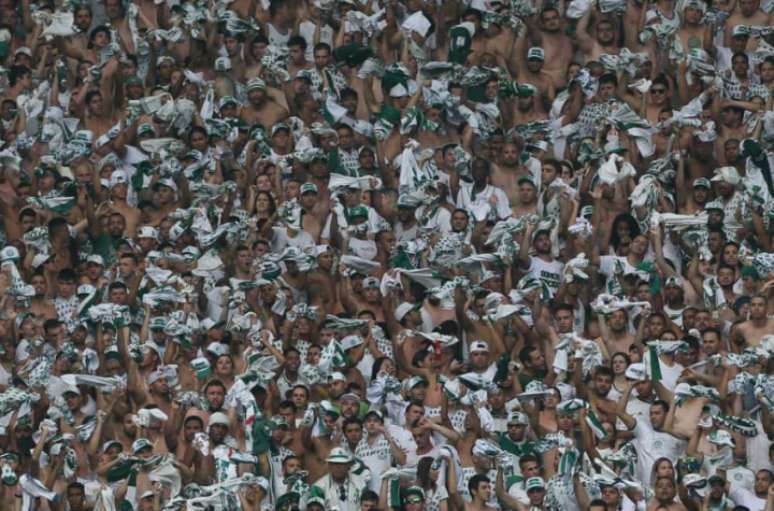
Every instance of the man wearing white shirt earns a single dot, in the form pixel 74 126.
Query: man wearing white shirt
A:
pixel 480 197
pixel 653 439
pixel 753 501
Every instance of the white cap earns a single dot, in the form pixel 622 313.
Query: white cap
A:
pixel 40 259
pixel 398 91
pixel 118 177
pixel 403 309
pixel 336 376
pixel 479 346
pixel 95 259
pixel 218 418
pixel 636 372
pixel 727 174
pixel 147 231
pixel 218 348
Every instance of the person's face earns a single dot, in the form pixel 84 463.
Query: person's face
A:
pixel 232 45
pixel 657 416
pixel 527 193
pixel 73 401
pixel 338 470
pixel 549 173
pixel 292 361
pixel 218 433
pixel 537 360
pixel 95 104
pixel 116 224
pixel 296 55
pixel 602 384
pixel 564 320
pixel 619 364
pixel 700 194
pixel 534 65
pixel 126 266
pixel 66 288
pixel 610 495
pixel 83 19
pixel 605 33
pixel 459 221
pixel 767 72
pixel 353 432
pixel 617 321
pixel 224 366
pixel 190 428
pixel 113 8
pixel 757 308
pixel 665 490
pixel 28 223
pixel 164 195
pixel 740 66
pixel 516 432
pixel 292 465
pixel 118 296
pixel 76 498
pixel 606 91
pixel 321 58
pixel 551 21
pixel 731 116
pixel 731 255
pixel 658 94
pixel 414 413
pixel 215 396
pixel 762 482
pixel 530 469
pixel 726 277
pixel 542 244
pixel 536 496
pixel 748 7
pixel 199 141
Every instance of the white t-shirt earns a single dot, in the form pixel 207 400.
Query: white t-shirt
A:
pixel 742 497
pixel 652 445
pixel 550 273
pixel 306 30
pixel 467 199
pixel 280 240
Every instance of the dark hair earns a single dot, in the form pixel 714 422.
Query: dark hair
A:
pixel 419 357
pixel 272 202
pixel 322 46
pixel 291 349
pixel 194 417
pixel 368 495
pixel 297 40
pixel 91 95
pixel 116 285
pixel 564 307
pixel 604 371
pixel 634 228
pixel 527 458
pixel 742 55
pixel 286 404
pixel 67 274
pixel 214 383
pixel 475 481
pixel 663 404
pixel 351 420
pixel 608 78
pixel 50 324
pixel 423 473
pixel 524 354
pixel 346 93
pixel 16 73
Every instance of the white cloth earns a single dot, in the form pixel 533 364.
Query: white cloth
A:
pixel 652 445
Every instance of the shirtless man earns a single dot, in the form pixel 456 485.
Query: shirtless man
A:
pixel 664 497
pixel 615 334
pixel 605 41
pixel 499 43
pixel 528 199
pixel 730 127
pixel 480 489
pixel 371 299
pixel 165 199
pixel 472 317
pixel 97 114
pixel 692 34
pixel 311 223
pixel 507 171
pixel 119 187
pixel 532 72
pixel 759 324
pixel 749 13
pixel 558 47
pixel 526 109
pixel 118 19
pixel 262 108
pixel 233 45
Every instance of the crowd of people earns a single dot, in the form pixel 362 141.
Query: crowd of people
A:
pixel 363 255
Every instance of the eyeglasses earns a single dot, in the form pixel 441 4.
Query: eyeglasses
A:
pixel 414 500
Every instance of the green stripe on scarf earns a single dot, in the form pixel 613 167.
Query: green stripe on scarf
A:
pixel 655 364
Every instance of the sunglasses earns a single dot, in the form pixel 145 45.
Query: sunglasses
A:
pixel 414 500
pixel 658 91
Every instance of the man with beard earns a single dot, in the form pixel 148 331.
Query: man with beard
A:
pixel 531 71
pixel 558 47
pixel 749 13
pixel 526 109
pixel 752 331
pixel 731 126
pixel 605 42
pixel 698 198
pixel 312 219
pixel 262 108
pixel 481 192
pixel 165 200
pixel 41 304
pixel 527 197
pixel 507 170
pixel 542 266
pixel 119 188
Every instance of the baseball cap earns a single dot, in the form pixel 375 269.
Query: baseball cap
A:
pixel 95 259
pixel 534 483
pixel 146 129
pixel 702 182
pixel 536 53
pixel 416 380
pixel 118 177
pixel 349 396
pixel 398 91
pixel 740 31
pixel 255 84
pixel 403 309
pixel 169 183
pixel 336 376
pixel 713 204
pixel 636 372
pixel 371 283
pixel 728 174
pixel 23 50
pixel 338 455
pixel 674 280
pixel 517 417
pixel 40 259
pixel 308 188
pixel 147 231
pixel 479 346
pixel 227 100
pixel 140 444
